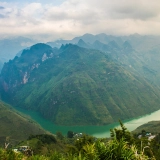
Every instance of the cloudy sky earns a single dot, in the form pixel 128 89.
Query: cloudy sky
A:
pixel 54 19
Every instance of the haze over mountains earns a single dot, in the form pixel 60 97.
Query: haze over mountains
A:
pixel 96 80
pixel 10 47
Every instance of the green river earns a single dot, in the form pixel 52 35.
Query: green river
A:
pixel 97 131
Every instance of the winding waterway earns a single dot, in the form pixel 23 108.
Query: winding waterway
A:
pixel 97 131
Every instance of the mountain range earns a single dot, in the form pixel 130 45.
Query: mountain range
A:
pixel 144 57
pixel 95 81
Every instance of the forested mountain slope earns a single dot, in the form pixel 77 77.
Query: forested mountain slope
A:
pixel 140 53
pixel 14 126
pixel 76 86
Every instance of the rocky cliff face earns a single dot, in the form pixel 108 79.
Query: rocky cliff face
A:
pixel 17 71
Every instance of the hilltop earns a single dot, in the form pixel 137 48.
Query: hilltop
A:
pixel 152 126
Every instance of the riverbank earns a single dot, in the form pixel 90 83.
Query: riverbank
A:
pixel 97 131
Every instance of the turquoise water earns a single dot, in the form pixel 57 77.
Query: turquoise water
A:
pixel 97 131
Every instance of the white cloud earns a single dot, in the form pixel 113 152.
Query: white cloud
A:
pixel 74 17
pixel 142 10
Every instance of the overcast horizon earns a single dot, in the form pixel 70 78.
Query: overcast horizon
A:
pixel 65 19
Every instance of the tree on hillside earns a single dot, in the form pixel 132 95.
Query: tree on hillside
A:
pixel 122 133
pixel 59 135
pixel 70 134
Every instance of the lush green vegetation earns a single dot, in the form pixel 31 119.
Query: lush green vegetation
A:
pixel 14 126
pixel 76 86
pixel 152 126
pixel 121 146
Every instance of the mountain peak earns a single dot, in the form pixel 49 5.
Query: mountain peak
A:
pixel 65 46
pixel 81 42
pixel 97 42
pixel 40 46
pixel 127 45
pixel 113 44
